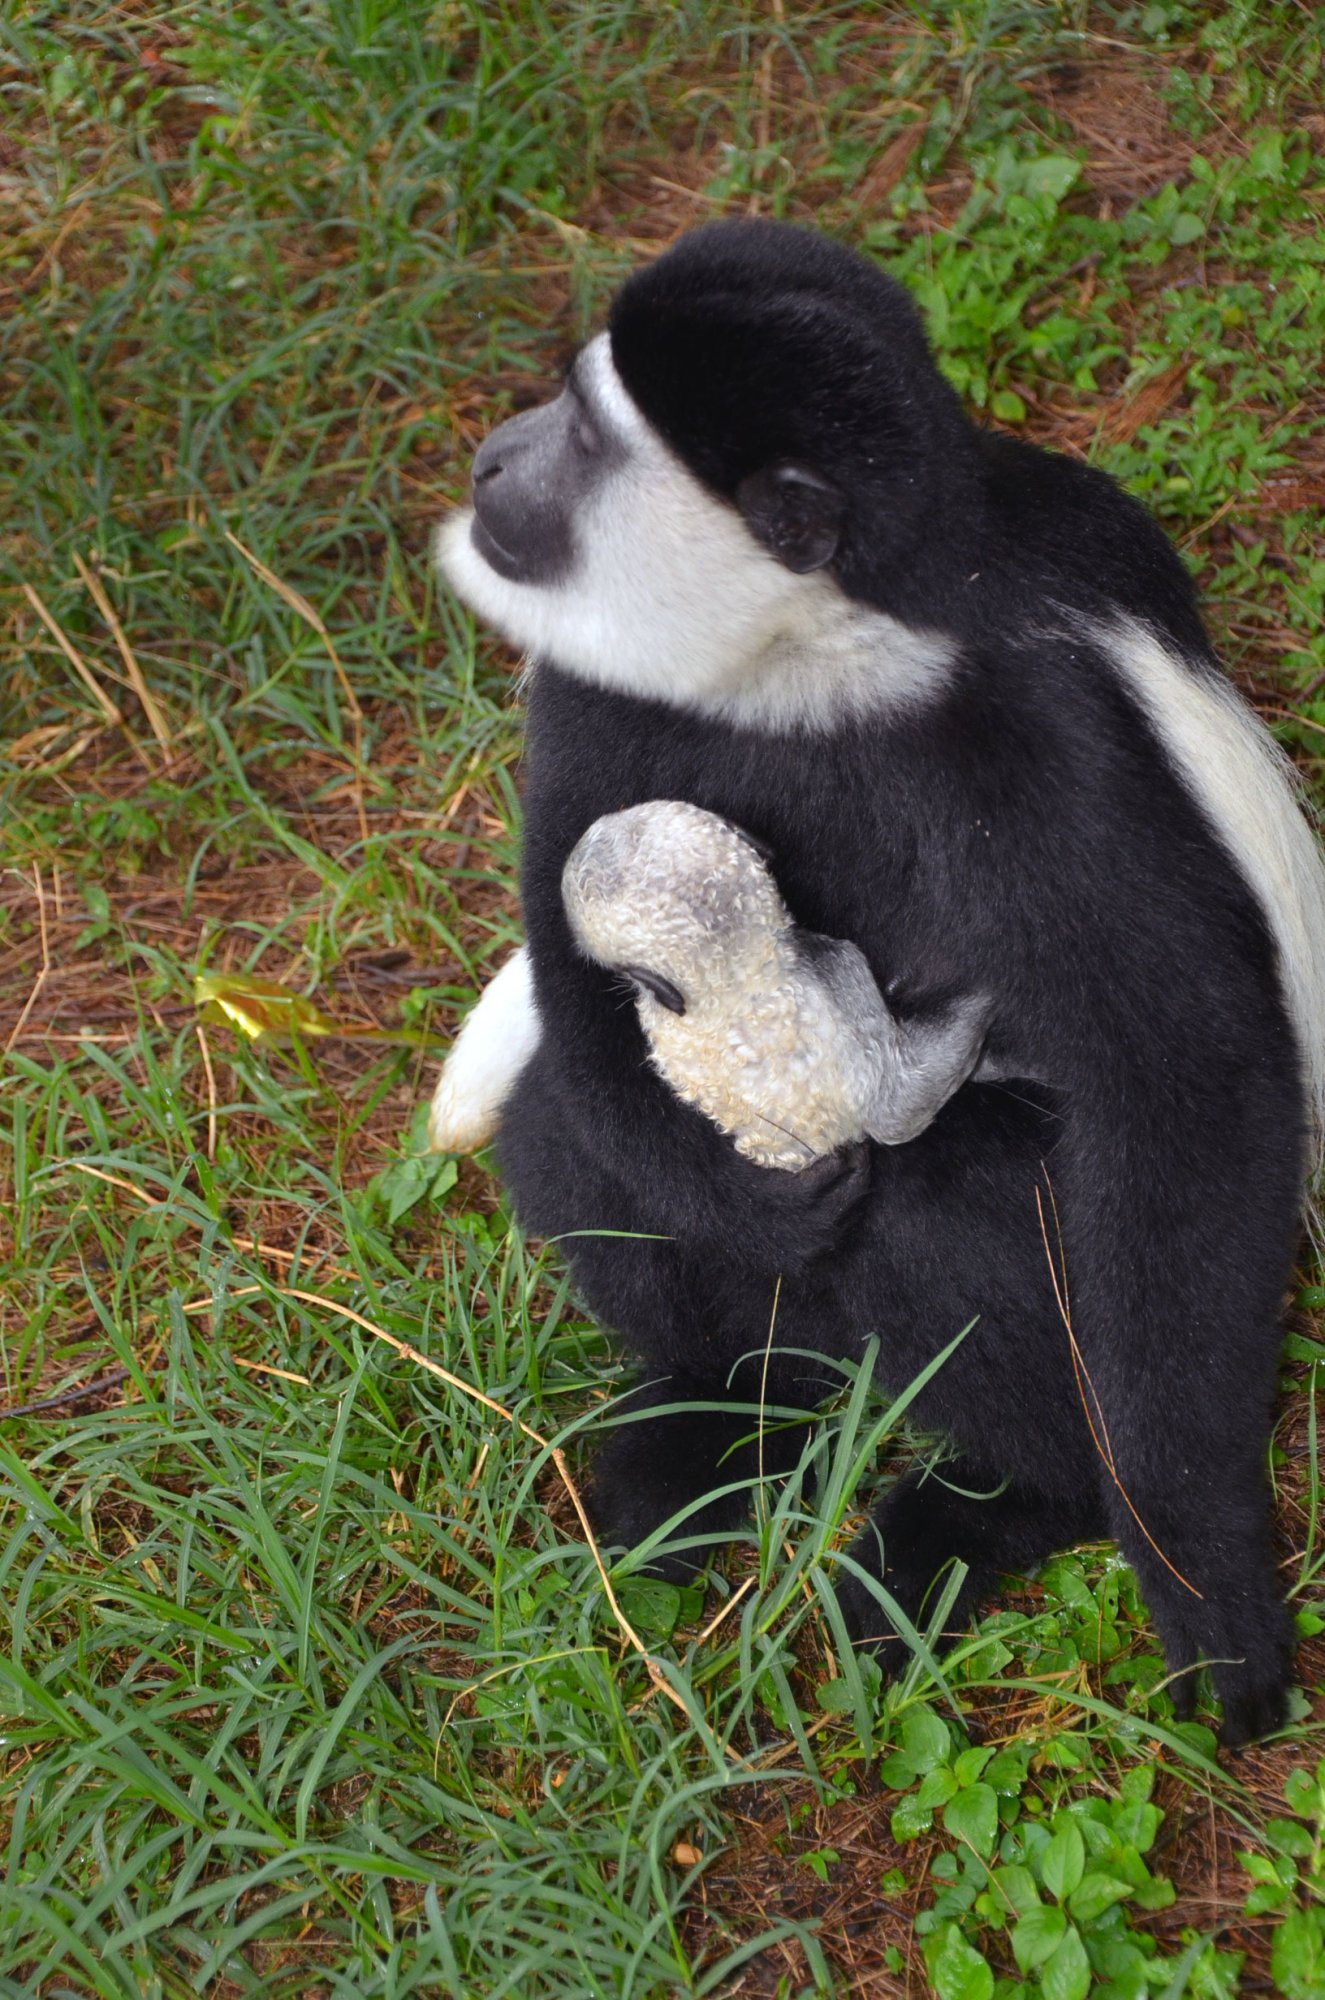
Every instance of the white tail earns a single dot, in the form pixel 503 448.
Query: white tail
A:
pixel 1252 795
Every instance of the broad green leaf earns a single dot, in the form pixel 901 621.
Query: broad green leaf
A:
pixel 1065 1974
pixel 1006 1772
pixel 1124 1965
pixel 1305 1794
pixel 652 1605
pixel 1138 1784
pixel 971 1763
pixel 1055 174
pixel 1095 1893
pixel 1266 157
pixel 957 1972
pixel 1136 1825
pixel 1037 1935
pixel 1007 406
pixel 925 1739
pixel 973 1816
pixel 1290 1837
pixel 937 1787
pixel 911 1818
pixel 896 1771
pixel 1156 1894
pixel 1297 1957
pixel 1017 1886
pixel 407 1182
pixel 1063 1862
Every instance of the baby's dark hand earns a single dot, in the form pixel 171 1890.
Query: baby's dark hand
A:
pixel 800 1216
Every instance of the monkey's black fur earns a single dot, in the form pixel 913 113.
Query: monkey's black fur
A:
pixel 1023 834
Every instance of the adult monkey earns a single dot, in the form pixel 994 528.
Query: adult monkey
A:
pixel 960 689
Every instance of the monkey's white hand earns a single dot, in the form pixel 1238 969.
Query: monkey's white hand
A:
pixel 496 1041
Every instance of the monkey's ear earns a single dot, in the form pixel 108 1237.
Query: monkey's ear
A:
pixel 668 996
pixel 794 513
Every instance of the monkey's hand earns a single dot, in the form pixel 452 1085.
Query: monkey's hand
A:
pixel 790 1219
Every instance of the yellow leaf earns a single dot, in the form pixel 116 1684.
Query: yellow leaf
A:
pixel 259 1007
pixel 264 1008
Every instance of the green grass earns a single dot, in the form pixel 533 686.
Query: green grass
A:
pixel 312 1685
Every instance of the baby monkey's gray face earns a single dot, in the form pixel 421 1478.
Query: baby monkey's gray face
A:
pixel 675 898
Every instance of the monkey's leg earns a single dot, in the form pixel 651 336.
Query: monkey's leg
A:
pixel 1200 1542
pixel 958 1512
pixel 1181 1393
pixel 1179 1199
pixel 661 1460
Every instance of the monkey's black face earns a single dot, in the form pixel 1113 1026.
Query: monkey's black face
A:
pixel 534 478
pixel 668 526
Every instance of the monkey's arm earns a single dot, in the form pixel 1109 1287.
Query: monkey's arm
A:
pixel 932 1060
pixel 909 1067
pixel 596 1139
pixel 499 1036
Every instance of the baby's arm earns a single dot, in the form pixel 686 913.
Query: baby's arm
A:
pixel 909 1068
pixel 497 1040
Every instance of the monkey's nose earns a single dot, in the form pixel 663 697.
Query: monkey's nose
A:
pixel 487 462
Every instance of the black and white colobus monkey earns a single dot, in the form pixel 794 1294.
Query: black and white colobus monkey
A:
pixel 960 688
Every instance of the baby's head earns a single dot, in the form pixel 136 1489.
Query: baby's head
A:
pixel 675 898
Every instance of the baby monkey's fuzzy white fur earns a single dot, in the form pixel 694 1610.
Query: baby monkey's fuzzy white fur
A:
pixel 785 1041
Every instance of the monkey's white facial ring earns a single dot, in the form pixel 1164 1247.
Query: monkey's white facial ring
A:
pixel 590 544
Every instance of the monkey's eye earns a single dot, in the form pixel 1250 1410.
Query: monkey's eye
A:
pixel 663 990
pixel 585 436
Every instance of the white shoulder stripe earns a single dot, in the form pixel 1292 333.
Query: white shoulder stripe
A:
pixel 1252 796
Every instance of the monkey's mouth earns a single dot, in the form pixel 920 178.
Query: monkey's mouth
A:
pixel 522 538
pixel 494 555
